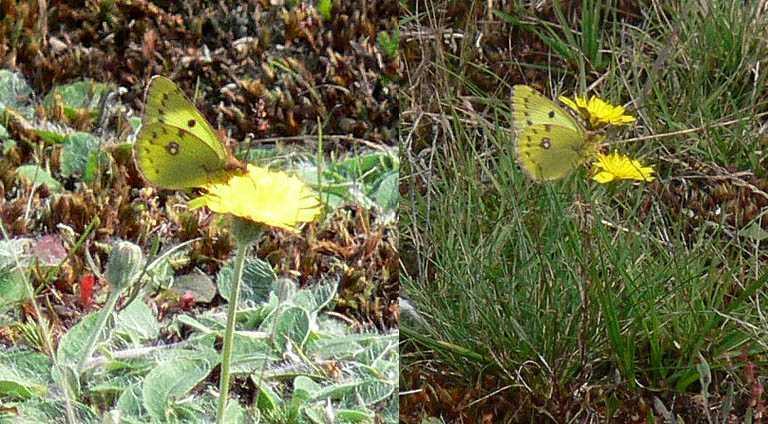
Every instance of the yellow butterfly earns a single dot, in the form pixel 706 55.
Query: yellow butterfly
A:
pixel 549 143
pixel 176 146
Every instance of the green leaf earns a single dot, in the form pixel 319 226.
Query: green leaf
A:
pixel 305 388
pixel 14 250
pixel 315 413
pixel 386 193
pixel 372 391
pixel 170 381
pixel 316 297
pixel 34 174
pixel 324 7
pixel 53 411
pixel 24 374
pixel 249 353
pixel 199 285
pixel 12 288
pixel 754 231
pixel 258 277
pixel 82 156
pixel 337 391
pixel 7 146
pixel 77 97
pixel 72 344
pixel 285 290
pixel 197 325
pixel 705 374
pixel 337 347
pixel 267 400
pixel 687 377
pixel 135 123
pixel 234 414
pixel 15 93
pixel 354 416
pixel 52 134
pixel 137 323
pixel 292 325
pixel 357 179
pixel 389 44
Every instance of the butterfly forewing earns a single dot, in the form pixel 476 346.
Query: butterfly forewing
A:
pixel 176 147
pixel 167 104
pixel 531 108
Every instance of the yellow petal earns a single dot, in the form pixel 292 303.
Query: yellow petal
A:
pixel 568 102
pixel 619 167
pixel 603 177
pixel 263 196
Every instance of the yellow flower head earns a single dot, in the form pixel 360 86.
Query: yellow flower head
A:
pixel 619 167
pixel 598 112
pixel 263 196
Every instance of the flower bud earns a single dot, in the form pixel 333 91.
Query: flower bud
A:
pixel 125 264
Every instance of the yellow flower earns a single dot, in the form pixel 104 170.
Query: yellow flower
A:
pixel 619 167
pixel 598 112
pixel 263 196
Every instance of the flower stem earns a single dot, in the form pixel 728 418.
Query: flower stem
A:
pixel 229 333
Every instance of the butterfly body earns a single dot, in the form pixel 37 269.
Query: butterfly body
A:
pixel 549 143
pixel 176 146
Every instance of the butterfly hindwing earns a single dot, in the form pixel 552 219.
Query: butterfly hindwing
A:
pixel 549 152
pixel 167 159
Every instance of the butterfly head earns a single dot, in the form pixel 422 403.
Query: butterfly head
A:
pixel 235 165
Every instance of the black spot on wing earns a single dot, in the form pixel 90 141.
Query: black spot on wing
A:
pixel 172 148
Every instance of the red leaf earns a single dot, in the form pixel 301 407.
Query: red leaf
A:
pixel 187 301
pixel 86 289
